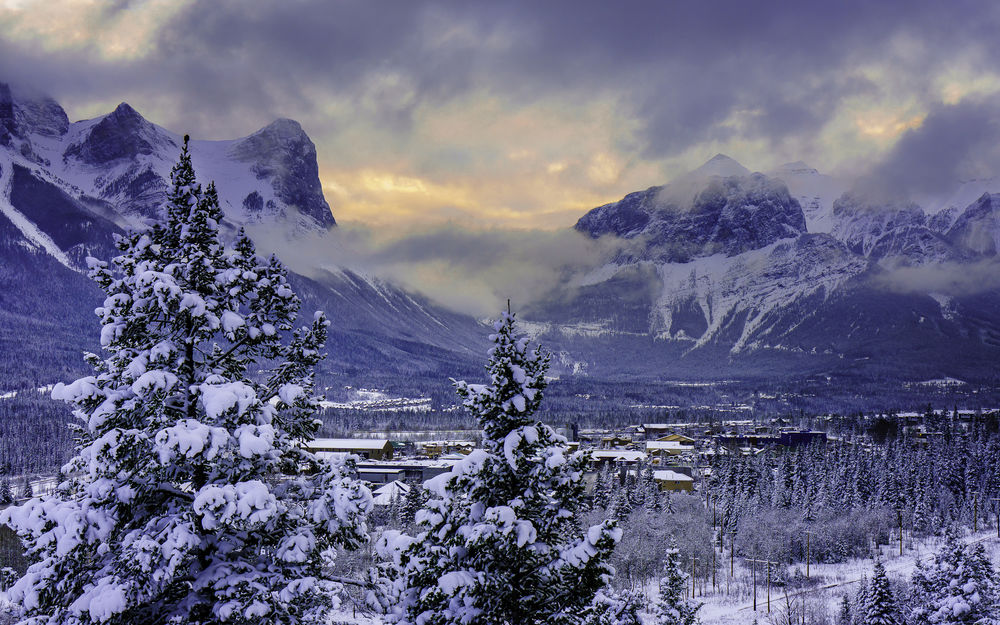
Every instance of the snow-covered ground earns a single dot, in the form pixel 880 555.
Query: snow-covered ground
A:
pixel 830 582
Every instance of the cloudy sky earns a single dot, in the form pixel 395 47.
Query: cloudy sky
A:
pixel 524 115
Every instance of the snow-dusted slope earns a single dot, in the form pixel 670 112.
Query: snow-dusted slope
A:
pixel 33 236
pixel 977 229
pixel 816 193
pixel 744 293
pixel 67 188
pixel 125 161
pixel 730 280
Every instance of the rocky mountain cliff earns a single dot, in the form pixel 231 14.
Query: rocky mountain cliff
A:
pixel 721 273
pixel 67 188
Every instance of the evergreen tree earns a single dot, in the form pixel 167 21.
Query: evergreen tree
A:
pixel 414 501
pixel 844 612
pixel 603 488
pixel 192 498
pixel 621 507
pixel 672 608
pixel 859 609
pixel 6 496
pixel 500 542
pixel 959 586
pixel 652 498
pixel 880 608
pixel 611 608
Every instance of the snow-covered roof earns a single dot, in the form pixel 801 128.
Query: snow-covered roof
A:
pixel 385 494
pixel 671 476
pixel 668 445
pixel 625 455
pixel 348 443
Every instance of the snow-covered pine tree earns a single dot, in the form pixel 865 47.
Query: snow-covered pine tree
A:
pixel 672 608
pixel 6 496
pixel 620 508
pixel 959 586
pixel 881 608
pixel 191 498
pixel 500 541
pixel 859 609
pixel 602 488
pixel 412 504
pixel 844 611
pixel 613 608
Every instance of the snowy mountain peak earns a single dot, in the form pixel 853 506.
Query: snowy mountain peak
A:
pixel 816 193
pixel 727 215
pixel 283 153
pixel 23 113
pixel 721 165
pixel 978 228
pixel 123 134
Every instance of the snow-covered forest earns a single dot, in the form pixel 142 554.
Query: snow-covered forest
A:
pixel 192 497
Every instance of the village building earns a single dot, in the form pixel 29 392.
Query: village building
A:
pixel 673 481
pixel 367 448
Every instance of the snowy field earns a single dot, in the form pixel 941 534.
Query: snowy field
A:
pixel 830 582
pixel 820 600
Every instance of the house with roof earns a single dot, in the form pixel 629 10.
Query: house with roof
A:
pixel 616 456
pixel 673 481
pixel 660 451
pixel 367 448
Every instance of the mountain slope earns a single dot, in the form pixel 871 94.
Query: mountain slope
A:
pixel 724 280
pixel 66 189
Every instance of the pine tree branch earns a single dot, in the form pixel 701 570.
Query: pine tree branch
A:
pixel 350 582
pixel 166 487
pixel 229 351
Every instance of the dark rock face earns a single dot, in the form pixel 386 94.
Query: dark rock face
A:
pixel 860 224
pixel 978 227
pixel 21 116
pixel 253 202
pixel 77 232
pixel 944 220
pixel 7 124
pixel 124 134
pixel 915 245
pixel 625 218
pixel 42 116
pixel 730 215
pixel 283 153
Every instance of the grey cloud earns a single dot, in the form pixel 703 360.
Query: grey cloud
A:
pixel 955 142
pixel 948 278
pixel 681 68
pixel 490 265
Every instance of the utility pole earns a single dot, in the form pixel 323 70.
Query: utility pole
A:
pixel 900 513
pixel 975 512
pixel 768 573
pixel 713 564
pixel 808 537
pixel 732 549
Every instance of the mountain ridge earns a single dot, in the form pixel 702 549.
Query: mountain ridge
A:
pixel 67 189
